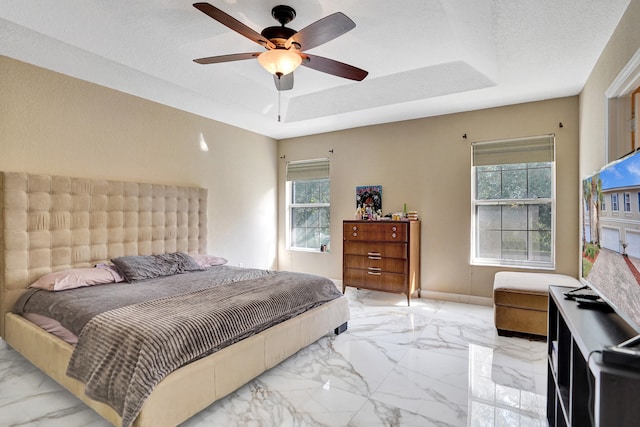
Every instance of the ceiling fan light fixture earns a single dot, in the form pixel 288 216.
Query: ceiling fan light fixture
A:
pixel 279 61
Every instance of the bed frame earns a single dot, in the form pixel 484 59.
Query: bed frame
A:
pixel 51 223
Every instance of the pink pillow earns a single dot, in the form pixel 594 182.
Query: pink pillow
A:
pixel 73 278
pixel 205 261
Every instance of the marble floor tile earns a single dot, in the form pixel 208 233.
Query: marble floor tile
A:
pixel 435 363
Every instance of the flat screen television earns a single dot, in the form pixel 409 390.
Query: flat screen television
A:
pixel 611 236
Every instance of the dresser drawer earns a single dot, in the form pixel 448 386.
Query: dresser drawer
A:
pixel 382 281
pixel 394 265
pixel 385 231
pixel 376 249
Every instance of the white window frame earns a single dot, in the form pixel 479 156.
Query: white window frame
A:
pixel 627 202
pixel 614 203
pixel 290 205
pixel 544 265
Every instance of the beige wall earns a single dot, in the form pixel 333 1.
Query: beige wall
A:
pixel 55 124
pixel 426 164
pixel 624 43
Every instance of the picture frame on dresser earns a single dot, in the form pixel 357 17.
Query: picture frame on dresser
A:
pixel 369 195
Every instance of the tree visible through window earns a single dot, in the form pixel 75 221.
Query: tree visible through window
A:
pixel 513 204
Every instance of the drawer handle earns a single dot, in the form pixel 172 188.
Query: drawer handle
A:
pixel 374 257
pixel 374 273
pixel 393 235
pixel 375 269
pixel 394 229
pixel 355 228
pixel 373 253
pixel 355 234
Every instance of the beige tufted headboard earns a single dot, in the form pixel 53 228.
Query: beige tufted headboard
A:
pixel 51 223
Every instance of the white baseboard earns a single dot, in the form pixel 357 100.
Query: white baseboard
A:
pixel 466 299
pixel 444 296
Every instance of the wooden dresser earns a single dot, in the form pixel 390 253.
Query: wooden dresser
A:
pixel 382 256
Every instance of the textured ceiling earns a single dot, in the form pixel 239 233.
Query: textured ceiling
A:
pixel 424 57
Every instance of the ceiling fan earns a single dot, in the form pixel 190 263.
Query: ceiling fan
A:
pixel 284 46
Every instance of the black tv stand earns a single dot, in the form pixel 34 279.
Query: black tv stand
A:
pixel 582 390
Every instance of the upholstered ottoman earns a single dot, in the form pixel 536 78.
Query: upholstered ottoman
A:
pixel 520 301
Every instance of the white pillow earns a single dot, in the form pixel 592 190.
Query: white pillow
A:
pixel 205 261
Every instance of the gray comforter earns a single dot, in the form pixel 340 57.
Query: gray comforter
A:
pixel 126 348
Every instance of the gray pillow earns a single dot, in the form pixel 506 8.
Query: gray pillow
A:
pixel 144 267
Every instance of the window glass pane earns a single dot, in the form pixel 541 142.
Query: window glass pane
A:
pixel 299 191
pixel 514 217
pixel 540 242
pixel 540 217
pixel 489 168
pixel 313 240
pixel 324 236
pixel 540 182
pixel 488 217
pixel 514 166
pixel 299 217
pixel 538 165
pixel 313 219
pixel 324 191
pixel 323 216
pixel 488 185
pixel 301 236
pixel 514 184
pixel 627 202
pixel 514 245
pixel 313 192
pixel 489 244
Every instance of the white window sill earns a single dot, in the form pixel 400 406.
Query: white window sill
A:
pixel 312 251
pixel 528 266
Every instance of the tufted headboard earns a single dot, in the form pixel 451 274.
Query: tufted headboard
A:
pixel 51 223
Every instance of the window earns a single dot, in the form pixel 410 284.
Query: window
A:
pixel 627 202
pixel 603 204
pixel 513 202
pixel 614 202
pixel 308 205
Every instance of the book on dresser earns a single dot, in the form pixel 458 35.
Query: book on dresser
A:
pixel 382 256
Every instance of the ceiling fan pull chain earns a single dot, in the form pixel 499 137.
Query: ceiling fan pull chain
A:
pixel 279 95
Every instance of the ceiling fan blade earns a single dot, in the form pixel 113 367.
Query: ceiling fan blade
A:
pixel 331 66
pixel 322 31
pixel 227 58
pixel 233 23
pixel 284 82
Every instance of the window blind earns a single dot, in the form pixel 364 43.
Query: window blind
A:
pixel 509 151
pixel 304 170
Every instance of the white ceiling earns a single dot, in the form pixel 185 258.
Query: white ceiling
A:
pixel 424 57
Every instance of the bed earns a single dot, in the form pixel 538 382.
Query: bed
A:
pixel 52 223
